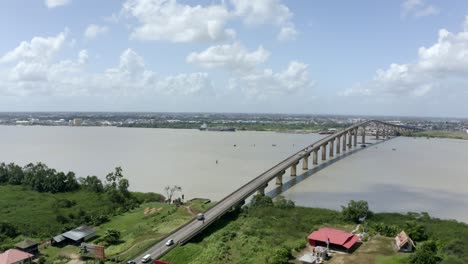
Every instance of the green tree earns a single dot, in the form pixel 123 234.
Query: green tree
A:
pixel 111 236
pixel 355 211
pixel 92 184
pixel 416 230
pixel 8 229
pixel 425 254
pixel 171 190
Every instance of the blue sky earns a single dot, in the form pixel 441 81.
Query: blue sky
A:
pixel 406 57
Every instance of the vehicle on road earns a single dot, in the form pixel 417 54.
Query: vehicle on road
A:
pixel 146 258
pixel 131 262
pixel 170 242
pixel 200 216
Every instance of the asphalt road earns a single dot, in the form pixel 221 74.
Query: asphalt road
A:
pixel 195 226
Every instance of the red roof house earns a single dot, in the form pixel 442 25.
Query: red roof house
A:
pixel 13 256
pixel 335 237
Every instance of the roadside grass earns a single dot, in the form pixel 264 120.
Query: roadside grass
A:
pixel 441 134
pixel 35 214
pixel 401 259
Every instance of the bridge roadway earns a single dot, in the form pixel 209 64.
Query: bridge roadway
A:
pixel 192 228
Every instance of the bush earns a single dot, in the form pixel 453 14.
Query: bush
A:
pixel 282 202
pixel 425 254
pixel 261 201
pixel 356 211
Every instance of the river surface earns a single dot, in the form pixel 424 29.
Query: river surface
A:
pixel 399 175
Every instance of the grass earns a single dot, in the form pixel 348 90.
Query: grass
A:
pixel 35 214
pixel 253 235
pixel 441 134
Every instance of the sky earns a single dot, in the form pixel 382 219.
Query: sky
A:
pixel 363 57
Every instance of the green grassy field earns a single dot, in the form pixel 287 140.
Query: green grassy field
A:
pixel 441 134
pixel 253 236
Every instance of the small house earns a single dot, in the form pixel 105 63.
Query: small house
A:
pixel 333 238
pixel 28 246
pixel 404 243
pixel 75 236
pixel 15 256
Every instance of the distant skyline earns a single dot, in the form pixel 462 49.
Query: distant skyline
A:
pixel 392 58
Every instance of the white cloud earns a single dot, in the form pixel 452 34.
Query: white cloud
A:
pixel 56 3
pixel 36 72
pixel 234 57
pixel 39 48
pixel 418 8
pixel 261 84
pixel 171 21
pixel 261 12
pixel 437 67
pixel 93 31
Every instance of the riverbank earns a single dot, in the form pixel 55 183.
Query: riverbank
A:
pixel 439 134
pixel 272 235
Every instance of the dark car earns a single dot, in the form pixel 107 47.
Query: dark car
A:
pixel 131 262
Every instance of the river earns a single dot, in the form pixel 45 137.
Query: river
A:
pixel 402 174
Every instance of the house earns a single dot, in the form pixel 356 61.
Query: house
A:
pixel 28 246
pixel 404 243
pixel 308 259
pixel 334 238
pixel 75 236
pixel 15 256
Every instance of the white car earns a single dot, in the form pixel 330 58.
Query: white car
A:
pixel 170 242
pixel 146 258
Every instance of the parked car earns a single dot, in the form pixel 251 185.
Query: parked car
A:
pixel 146 258
pixel 170 242
pixel 200 216
pixel 131 262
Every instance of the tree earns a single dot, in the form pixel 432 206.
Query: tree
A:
pixel 282 202
pixel 8 229
pixel 280 255
pixel 425 254
pixel 92 184
pixel 171 190
pixel 123 186
pixel 416 231
pixel 113 178
pixel 356 211
pixel 111 236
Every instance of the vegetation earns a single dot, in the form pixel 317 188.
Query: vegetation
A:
pixel 356 211
pixel 267 232
pixel 438 134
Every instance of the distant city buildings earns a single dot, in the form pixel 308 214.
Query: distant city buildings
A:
pixel 77 121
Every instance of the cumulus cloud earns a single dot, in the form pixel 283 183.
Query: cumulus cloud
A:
pixel 437 66
pixel 263 12
pixel 171 21
pixel 233 57
pixel 36 72
pixel 56 3
pixel 418 8
pixel 261 84
pixel 93 31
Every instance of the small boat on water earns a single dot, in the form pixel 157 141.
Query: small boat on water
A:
pixel 328 132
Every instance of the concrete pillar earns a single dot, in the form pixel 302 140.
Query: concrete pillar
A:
pixel 293 170
pixel 350 139
pixel 363 135
pixel 338 147
pixel 315 157
pixel 279 178
pixel 324 151
pixel 377 133
pixel 305 162
pixel 344 142
pixel 355 136
pixel 331 147
pixel 261 190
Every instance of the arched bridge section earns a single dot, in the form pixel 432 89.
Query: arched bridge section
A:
pixel 340 142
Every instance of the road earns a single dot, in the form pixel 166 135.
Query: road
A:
pixel 189 230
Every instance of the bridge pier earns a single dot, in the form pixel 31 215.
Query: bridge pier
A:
pixel 324 151
pixel 279 178
pixel 355 135
pixel 293 170
pixel 338 147
pixel 331 148
pixel 363 135
pixel 344 142
pixel 305 162
pixel 315 157
pixel 261 190
pixel 350 139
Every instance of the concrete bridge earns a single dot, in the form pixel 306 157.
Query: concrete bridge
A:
pixel 329 146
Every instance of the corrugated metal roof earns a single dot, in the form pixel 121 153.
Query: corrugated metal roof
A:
pixel 26 244
pixel 79 233
pixel 58 238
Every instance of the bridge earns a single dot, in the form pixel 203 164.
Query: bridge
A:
pixel 329 146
